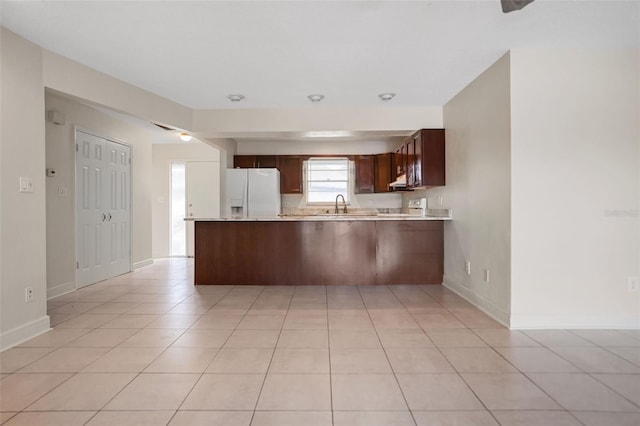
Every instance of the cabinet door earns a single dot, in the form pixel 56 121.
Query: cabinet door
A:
pixel 290 174
pixel 266 161
pixel 244 161
pixel 433 157
pixel 410 163
pixel 365 179
pixel 417 164
pixel 384 174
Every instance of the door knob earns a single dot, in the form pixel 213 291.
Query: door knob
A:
pixel 190 214
pixel 104 217
pixel 109 217
pixel 190 205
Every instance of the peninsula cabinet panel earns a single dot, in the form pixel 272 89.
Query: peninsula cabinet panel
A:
pixel 354 258
pixel 318 252
pixel 409 252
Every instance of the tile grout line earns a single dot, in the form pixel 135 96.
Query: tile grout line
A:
pixel 452 366
pixel 386 355
pixel 264 380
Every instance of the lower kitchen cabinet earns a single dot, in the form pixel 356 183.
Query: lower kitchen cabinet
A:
pixel 350 252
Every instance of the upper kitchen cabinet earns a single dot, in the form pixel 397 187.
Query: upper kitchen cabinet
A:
pixel 290 174
pixel 429 158
pixel 365 174
pixel 255 161
pixel 384 172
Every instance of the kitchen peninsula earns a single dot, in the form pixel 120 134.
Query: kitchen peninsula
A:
pixel 320 250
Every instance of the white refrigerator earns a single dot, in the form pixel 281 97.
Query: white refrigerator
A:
pixel 253 193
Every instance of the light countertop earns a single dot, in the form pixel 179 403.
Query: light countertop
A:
pixel 321 217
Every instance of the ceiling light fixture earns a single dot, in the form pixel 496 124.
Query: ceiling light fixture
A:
pixel 328 134
pixel 235 98
pixel 185 136
pixel 315 98
pixel 384 97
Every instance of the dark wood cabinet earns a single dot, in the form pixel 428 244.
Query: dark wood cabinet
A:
pixel 431 157
pixel 244 161
pixel 290 174
pixel 410 161
pixel 384 172
pixel 417 164
pixel 365 174
pixel 319 252
pixel 255 161
pixel 422 158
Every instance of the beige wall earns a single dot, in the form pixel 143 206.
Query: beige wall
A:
pixel 74 79
pixel 576 172
pixel 22 215
pixel 315 147
pixel 60 143
pixel 247 121
pixel 478 190
pixel 163 156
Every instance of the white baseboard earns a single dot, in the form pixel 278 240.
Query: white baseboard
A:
pixel 537 322
pixel 484 305
pixel 142 263
pixel 24 332
pixel 61 289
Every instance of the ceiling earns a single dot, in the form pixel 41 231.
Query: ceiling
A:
pixel 276 53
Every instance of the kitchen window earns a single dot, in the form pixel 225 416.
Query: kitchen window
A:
pixel 326 178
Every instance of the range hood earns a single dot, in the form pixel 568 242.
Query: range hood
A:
pixel 400 183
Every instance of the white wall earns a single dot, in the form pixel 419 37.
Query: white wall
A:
pixel 478 190
pixel 575 181
pixel 315 147
pixel 74 79
pixel 163 155
pixel 22 215
pixel 231 122
pixel 60 143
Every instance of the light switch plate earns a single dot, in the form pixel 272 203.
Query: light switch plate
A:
pixel 26 184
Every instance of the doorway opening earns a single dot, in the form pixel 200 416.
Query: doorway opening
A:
pixel 178 210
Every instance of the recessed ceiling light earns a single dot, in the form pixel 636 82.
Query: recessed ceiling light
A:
pixel 185 136
pixel 328 134
pixel 315 98
pixel 384 97
pixel 235 98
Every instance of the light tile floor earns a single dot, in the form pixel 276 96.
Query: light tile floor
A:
pixel 149 348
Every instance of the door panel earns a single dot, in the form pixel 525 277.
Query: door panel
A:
pixel 119 213
pixel 103 209
pixel 89 213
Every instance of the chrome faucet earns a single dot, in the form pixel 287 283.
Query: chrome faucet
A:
pixel 343 201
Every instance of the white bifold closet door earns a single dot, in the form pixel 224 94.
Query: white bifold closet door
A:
pixel 103 205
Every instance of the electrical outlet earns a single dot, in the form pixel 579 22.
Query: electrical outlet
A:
pixel 28 295
pixel 486 275
pixel 632 283
pixel 467 267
